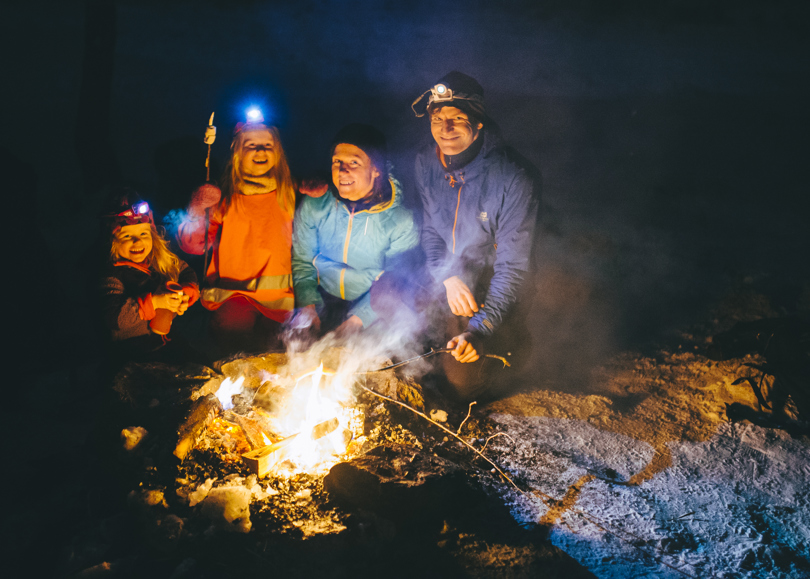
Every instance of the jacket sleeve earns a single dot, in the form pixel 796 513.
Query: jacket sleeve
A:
pixel 188 279
pixel 304 250
pixel 514 237
pixel 436 253
pixel 123 317
pixel 191 232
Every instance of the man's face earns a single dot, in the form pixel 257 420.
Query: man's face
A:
pixel 258 153
pixel 353 173
pixel 453 130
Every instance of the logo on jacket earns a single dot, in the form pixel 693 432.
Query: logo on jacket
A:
pixel 483 216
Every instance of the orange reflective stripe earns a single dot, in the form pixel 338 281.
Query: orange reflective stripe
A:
pixel 342 287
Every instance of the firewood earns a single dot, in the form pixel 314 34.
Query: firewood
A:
pixel 202 413
pixel 253 432
pixel 262 460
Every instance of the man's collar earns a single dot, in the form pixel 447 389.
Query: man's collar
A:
pixel 455 162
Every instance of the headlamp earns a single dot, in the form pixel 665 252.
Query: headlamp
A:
pixel 440 94
pixel 254 115
pixel 135 210
pixel 132 215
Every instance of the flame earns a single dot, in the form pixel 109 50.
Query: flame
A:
pixel 227 390
pixel 318 396
pixel 266 440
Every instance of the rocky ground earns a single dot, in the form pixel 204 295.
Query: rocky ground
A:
pixel 666 465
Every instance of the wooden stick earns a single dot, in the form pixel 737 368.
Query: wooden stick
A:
pixel 448 431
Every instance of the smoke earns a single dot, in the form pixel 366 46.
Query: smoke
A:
pixel 399 336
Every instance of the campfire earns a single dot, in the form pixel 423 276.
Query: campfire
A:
pixel 275 420
pixel 293 445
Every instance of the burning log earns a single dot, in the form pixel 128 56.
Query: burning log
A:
pixel 262 460
pixel 253 432
pixel 205 409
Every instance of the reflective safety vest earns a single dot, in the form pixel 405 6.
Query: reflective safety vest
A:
pixel 251 243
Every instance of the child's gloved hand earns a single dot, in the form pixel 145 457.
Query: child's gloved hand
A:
pixel 204 197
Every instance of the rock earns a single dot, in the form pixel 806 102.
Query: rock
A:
pixel 391 478
pixel 132 437
pixel 229 508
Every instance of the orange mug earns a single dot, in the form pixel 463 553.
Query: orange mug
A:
pixel 162 322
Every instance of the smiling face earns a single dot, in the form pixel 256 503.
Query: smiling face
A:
pixel 452 129
pixel 259 153
pixel 353 173
pixel 134 242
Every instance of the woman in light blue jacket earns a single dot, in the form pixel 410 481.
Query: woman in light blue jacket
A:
pixel 350 237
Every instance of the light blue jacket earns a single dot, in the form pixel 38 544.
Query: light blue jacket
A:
pixel 345 252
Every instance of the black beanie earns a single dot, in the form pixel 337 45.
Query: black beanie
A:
pixel 468 96
pixel 367 138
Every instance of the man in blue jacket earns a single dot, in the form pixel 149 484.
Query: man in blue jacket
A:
pixel 480 203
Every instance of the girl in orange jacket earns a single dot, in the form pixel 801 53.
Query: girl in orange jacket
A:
pixel 248 225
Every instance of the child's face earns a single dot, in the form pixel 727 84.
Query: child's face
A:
pixel 259 153
pixel 135 242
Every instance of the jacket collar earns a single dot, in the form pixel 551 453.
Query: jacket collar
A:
pixel 138 266
pixel 358 207
pixel 491 143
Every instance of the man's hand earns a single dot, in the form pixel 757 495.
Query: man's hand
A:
pixel 463 350
pixel 351 325
pixel 460 298
pixel 170 301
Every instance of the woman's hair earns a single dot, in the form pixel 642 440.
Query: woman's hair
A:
pixel 381 192
pixel 232 179
pixel 160 259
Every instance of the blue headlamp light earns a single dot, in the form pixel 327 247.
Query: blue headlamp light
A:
pixel 254 115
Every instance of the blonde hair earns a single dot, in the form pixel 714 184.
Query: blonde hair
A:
pixel 160 259
pixel 232 179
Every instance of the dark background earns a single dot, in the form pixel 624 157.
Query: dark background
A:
pixel 671 137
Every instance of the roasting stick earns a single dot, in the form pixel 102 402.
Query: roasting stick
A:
pixel 447 430
pixel 210 137
pixel 433 352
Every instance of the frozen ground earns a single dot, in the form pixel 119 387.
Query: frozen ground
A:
pixel 662 486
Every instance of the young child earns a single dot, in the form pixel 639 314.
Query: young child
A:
pixel 248 227
pixel 144 286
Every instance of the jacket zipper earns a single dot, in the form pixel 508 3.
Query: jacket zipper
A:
pixel 458 203
pixel 346 254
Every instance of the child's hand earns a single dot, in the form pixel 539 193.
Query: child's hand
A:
pixel 183 304
pixel 204 197
pixel 170 301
